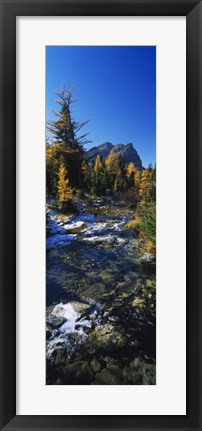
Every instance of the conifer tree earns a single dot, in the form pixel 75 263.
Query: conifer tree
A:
pixel 111 163
pixel 98 164
pixel 85 173
pixel 130 169
pixel 115 184
pixel 145 182
pixel 52 165
pixel 112 168
pixel 137 181
pixel 105 178
pixel 65 192
pixel 64 131
pixel 130 173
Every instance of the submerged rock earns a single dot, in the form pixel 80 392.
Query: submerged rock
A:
pixel 106 275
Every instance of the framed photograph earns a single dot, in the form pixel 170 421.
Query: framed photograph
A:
pixel 100 218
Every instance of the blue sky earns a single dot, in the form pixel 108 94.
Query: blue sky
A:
pixel 116 89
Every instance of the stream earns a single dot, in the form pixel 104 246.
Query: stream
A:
pixel 100 299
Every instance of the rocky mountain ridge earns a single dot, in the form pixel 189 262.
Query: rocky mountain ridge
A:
pixel 128 152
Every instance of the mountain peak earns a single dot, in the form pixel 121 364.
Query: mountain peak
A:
pixel 128 152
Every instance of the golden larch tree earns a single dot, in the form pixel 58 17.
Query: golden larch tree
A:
pixel 112 163
pixel 65 192
pixel 137 179
pixel 145 182
pixel 130 169
pixel 84 170
pixel 98 164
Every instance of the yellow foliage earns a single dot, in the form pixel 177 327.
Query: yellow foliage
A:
pixel 150 247
pixel 115 185
pixel 130 169
pixel 65 192
pixel 51 151
pixel 138 302
pixel 84 168
pixel 145 182
pixel 98 164
pixel 112 163
pixel 133 224
pixel 137 178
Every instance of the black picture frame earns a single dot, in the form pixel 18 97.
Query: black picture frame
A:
pixel 9 11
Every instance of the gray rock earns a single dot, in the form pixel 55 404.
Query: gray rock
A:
pixel 55 321
pixel 127 151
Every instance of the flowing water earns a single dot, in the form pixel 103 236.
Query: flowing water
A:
pixel 100 299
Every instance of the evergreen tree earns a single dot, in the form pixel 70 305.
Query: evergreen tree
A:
pixel 53 155
pixel 121 173
pixel 105 178
pixel 64 131
pixel 148 222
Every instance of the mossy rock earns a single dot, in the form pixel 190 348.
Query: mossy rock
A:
pixel 106 275
pixel 140 373
pixel 105 339
pixel 95 365
pixel 138 302
pixel 108 376
pixel 78 373
pixel 150 283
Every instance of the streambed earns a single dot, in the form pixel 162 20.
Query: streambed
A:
pixel 101 300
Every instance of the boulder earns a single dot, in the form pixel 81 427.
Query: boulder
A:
pixel 147 258
pixel 74 227
pixel 78 373
pixel 105 338
pixel 95 365
pixel 55 321
pixel 109 376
